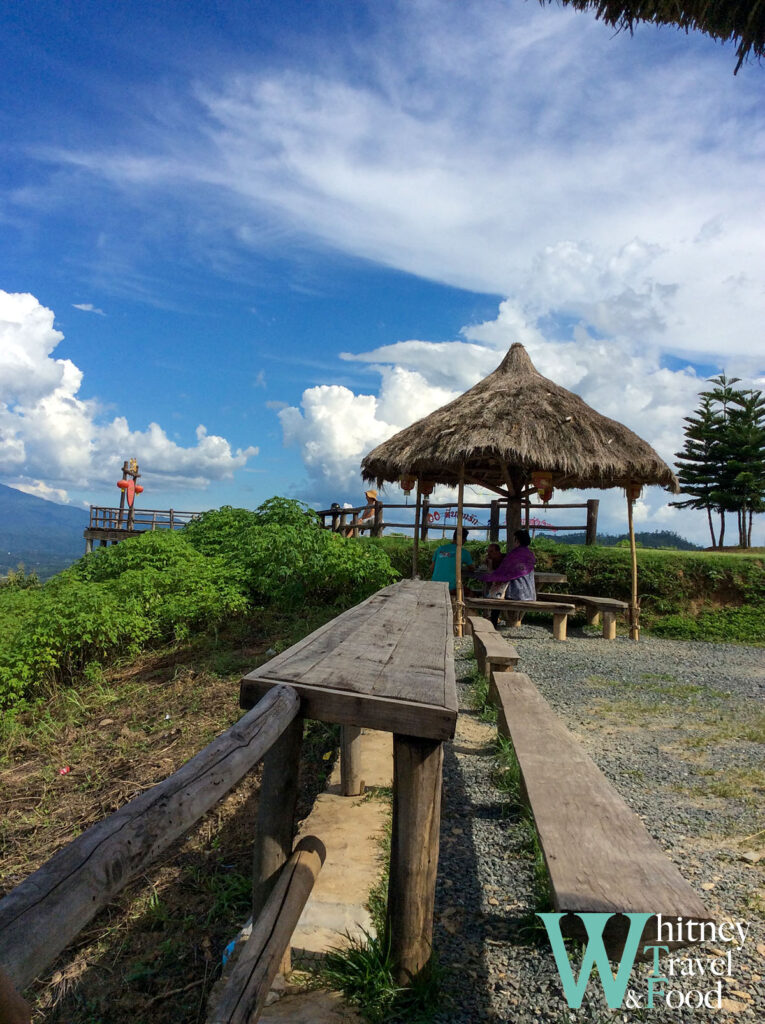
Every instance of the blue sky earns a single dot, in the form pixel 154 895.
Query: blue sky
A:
pixel 246 243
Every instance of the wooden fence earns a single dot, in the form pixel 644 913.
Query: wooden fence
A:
pixel 43 914
pixel 371 518
pixel 111 525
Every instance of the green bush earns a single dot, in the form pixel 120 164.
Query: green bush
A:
pixel 166 585
pixel 280 555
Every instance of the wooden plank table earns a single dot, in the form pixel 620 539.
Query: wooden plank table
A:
pixel 386 664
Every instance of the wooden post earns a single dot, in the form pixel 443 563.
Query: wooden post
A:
pixel 609 625
pixel 417 771
pixel 275 827
pixel 458 565
pixel 343 521
pixel 416 538
pixel 634 607
pixel 125 468
pixel 592 521
pixel 351 782
pixel 514 507
pixel 377 528
pixel 494 522
pixel 88 545
pixel 559 626
pixel 335 522
pixel 245 994
pixel 424 518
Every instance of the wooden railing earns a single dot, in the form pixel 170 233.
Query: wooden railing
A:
pixel 43 914
pixel 370 518
pixel 102 518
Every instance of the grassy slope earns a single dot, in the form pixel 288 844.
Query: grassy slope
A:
pixel 121 735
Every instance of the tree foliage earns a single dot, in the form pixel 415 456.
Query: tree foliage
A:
pixel 721 467
pixel 167 585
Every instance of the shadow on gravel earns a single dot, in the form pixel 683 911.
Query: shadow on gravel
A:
pixel 459 933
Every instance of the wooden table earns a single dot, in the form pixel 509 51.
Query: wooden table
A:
pixel 386 664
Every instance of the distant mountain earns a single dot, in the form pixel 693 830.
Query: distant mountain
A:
pixel 45 536
pixel 654 539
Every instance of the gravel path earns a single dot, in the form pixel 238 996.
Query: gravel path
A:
pixel 668 724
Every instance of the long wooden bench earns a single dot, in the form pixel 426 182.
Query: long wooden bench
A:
pixel 599 856
pixel 594 607
pixel 492 651
pixel 514 610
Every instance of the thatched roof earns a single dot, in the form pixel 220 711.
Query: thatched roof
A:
pixel 517 419
pixel 742 21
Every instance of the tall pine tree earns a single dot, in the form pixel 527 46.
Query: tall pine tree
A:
pixel 722 465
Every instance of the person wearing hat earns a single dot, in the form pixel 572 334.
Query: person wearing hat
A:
pixel 369 511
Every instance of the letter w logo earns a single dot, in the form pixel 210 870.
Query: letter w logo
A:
pixel 614 987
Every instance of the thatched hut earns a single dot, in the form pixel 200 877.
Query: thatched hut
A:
pixel 742 21
pixel 518 433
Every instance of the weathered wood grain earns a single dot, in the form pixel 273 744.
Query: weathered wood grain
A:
pixel 47 910
pixel 394 647
pixel 258 964
pixel 599 855
pixel 275 828
pixel 351 781
pixel 492 651
pixel 417 775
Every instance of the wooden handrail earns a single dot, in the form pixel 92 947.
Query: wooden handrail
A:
pixel 258 964
pixel 47 910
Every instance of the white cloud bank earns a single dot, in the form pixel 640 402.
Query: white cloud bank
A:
pixel 52 441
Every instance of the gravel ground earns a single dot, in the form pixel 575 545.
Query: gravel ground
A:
pixel 666 722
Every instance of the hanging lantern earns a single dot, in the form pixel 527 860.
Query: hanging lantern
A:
pixel 407 483
pixel 634 490
pixel 543 482
pixel 426 488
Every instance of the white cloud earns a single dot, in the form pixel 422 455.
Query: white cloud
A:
pixel 40 490
pixel 493 146
pixel 53 440
pixel 88 307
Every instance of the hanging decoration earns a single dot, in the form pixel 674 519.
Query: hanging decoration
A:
pixel 407 483
pixel 426 488
pixel 543 482
pixel 634 490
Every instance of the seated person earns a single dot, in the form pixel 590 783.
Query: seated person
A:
pixel 444 563
pixel 517 571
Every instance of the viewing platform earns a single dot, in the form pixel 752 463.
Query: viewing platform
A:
pixel 111 525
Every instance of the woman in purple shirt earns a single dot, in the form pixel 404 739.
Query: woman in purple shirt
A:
pixel 517 570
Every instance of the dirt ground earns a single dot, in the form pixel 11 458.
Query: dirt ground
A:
pixel 154 953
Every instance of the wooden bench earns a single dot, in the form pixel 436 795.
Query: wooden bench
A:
pixel 599 856
pixel 559 611
pixel 594 606
pixel 492 651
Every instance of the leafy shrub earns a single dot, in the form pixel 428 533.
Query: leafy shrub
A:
pixel 165 585
pixel 280 555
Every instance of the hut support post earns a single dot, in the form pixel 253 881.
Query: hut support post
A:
pixel 458 567
pixel 416 542
pixel 514 505
pixel 634 606
pixel 592 521
pixel 424 519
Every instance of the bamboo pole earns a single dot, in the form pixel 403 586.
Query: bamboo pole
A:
pixel 458 566
pixel 634 607
pixel 416 544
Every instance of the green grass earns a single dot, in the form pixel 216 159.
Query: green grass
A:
pixel 479 696
pixel 508 779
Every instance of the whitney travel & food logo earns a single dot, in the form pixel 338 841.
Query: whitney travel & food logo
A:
pixel 672 978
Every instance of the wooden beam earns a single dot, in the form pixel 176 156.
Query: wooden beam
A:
pixel 634 606
pixel 275 828
pixel 416 540
pixel 56 902
pixel 351 782
pixel 417 774
pixel 258 964
pixel 460 610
